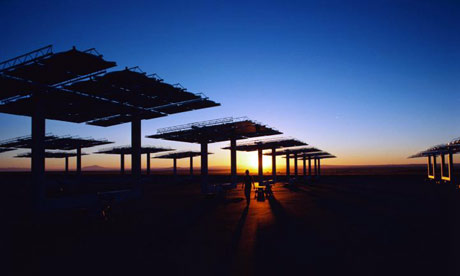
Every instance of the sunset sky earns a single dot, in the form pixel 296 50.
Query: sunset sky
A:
pixel 369 81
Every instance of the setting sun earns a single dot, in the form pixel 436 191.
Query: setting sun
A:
pixel 248 161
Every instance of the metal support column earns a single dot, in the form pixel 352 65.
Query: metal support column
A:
pixel 148 163
pixel 191 165
pixel 296 171
pixel 274 164
pixel 443 168
pixel 447 169
pixel 78 160
pixel 175 167
pixel 316 166
pixel 136 148
pixel 233 161
pixel 38 152
pixel 288 169
pixel 428 166
pixel 309 166
pixel 451 168
pixel 261 171
pixel 319 167
pixel 122 163
pixel 66 164
pixel 204 167
pixel 304 159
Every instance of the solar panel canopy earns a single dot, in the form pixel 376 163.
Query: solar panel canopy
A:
pixel 55 142
pixel 268 144
pixel 454 142
pixel 6 149
pixel 128 150
pixel 317 155
pixel 74 86
pixel 296 150
pixel 453 147
pixel 179 155
pixel 215 131
pixel 50 154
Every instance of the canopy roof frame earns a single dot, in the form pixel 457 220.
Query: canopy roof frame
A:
pixel 179 155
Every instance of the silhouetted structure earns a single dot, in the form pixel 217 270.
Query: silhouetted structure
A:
pixel 304 154
pixel 273 144
pixel 294 152
pixel 214 131
pixel 443 150
pixel 54 154
pixel 53 142
pixel 316 156
pixel 73 86
pixel 128 150
pixel 179 155
pixel 6 149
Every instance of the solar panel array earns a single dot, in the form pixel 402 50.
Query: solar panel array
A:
pixel 179 155
pixel 215 131
pixel 74 86
pixel 128 150
pixel 298 150
pixel 50 154
pixel 317 155
pixel 54 142
pixel 451 147
pixel 268 144
pixel 6 149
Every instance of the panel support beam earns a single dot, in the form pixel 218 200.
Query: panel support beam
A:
pixel 204 167
pixel 316 167
pixel 432 166
pixel 175 167
pixel 122 163
pixel 66 164
pixel 136 149
pixel 451 167
pixel 447 169
pixel 79 161
pixel 38 152
pixel 261 171
pixel 288 169
pixel 304 159
pixel 296 172
pixel 319 167
pixel 233 163
pixel 274 164
pixel 148 163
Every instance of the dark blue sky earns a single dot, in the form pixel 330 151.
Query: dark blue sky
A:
pixel 372 81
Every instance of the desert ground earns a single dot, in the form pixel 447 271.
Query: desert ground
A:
pixel 387 224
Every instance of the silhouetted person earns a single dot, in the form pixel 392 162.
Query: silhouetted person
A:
pixel 248 184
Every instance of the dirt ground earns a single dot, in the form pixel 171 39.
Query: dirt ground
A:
pixel 349 225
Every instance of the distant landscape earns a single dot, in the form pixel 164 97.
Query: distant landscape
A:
pixel 325 170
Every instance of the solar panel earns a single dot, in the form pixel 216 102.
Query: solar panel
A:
pixel 55 142
pixel 215 131
pixel 50 154
pixel 128 150
pixel 61 67
pixel 268 144
pixel 179 155
pixel 452 147
pixel 73 86
pixel 301 150
pixel 6 149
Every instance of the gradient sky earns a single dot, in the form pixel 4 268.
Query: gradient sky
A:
pixel 369 81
